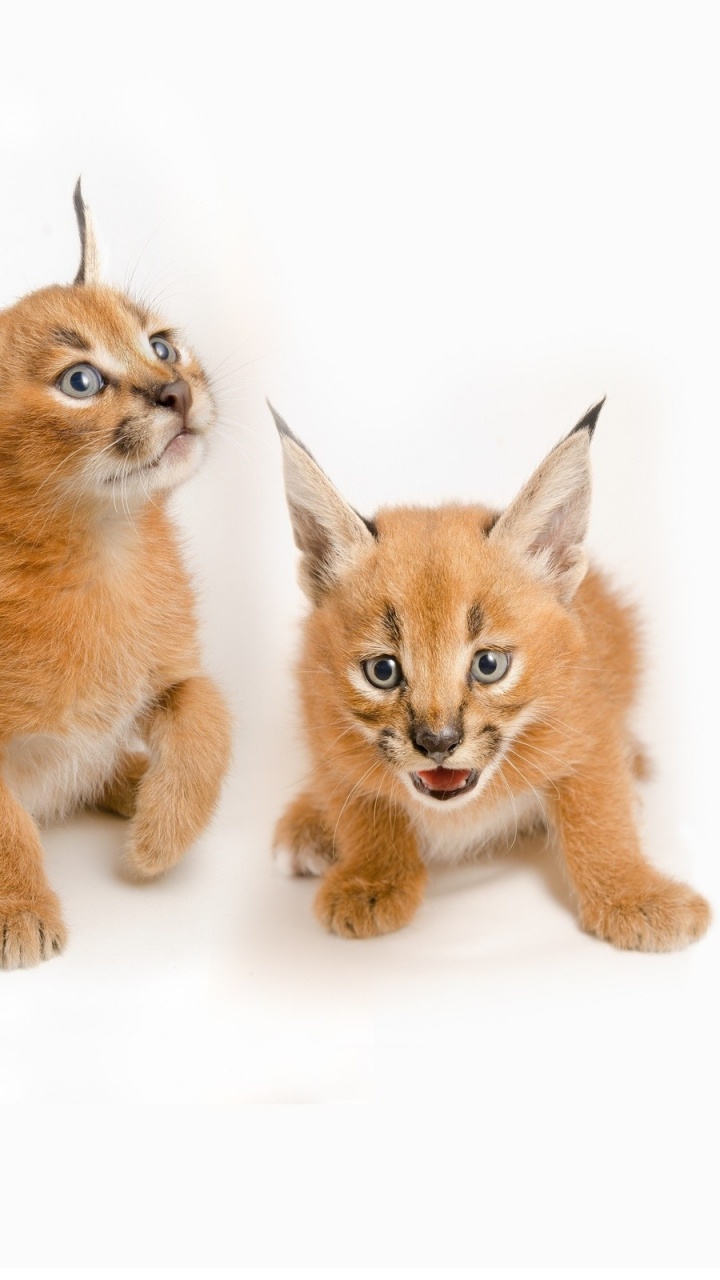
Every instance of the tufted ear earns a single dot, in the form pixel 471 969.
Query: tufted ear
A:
pixel 330 533
pixel 89 269
pixel 548 520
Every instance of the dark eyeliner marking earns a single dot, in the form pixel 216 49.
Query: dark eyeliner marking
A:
pixel 167 335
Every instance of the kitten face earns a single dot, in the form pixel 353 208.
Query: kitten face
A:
pixel 440 652
pixel 89 405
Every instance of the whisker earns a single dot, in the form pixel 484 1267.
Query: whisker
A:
pixel 519 772
pixel 321 762
pixel 511 794
pixel 352 792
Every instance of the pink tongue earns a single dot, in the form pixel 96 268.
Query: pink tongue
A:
pixel 444 779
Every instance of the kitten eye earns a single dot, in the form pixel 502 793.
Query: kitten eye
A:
pixel 81 381
pixel 384 673
pixel 163 349
pixel 489 665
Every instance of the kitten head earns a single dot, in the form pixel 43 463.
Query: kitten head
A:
pixel 439 638
pixel 99 398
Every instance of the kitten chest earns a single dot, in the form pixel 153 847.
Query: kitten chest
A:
pixel 80 668
pixel 78 713
pixel 491 830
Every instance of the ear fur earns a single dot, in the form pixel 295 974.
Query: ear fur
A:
pixel 548 520
pixel 89 270
pixel 328 531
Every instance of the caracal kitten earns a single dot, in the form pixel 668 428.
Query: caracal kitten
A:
pixel 464 676
pixel 103 701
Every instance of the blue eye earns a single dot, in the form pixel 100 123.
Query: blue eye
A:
pixel 163 349
pixel 489 665
pixel 384 673
pixel 81 381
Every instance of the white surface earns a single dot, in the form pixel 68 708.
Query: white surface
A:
pixel 433 235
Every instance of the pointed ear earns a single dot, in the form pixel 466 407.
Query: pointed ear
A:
pixel 89 269
pixel 547 522
pixel 329 532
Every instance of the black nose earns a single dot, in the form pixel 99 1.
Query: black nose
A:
pixel 437 745
pixel 176 395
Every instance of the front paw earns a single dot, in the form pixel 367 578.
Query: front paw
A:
pixel 354 907
pixel 664 916
pixel 30 932
pixel 149 852
pixel 303 845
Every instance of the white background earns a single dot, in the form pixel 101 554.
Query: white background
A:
pixel 433 234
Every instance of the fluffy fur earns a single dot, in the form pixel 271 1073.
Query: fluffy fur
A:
pixel 102 696
pixel 441 765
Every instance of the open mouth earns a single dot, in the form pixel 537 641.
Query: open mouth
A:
pixel 444 784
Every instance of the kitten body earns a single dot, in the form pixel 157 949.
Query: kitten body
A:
pixel 102 695
pixel 421 751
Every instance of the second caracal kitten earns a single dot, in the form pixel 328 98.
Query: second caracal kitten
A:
pixel 465 675
pixel 103 699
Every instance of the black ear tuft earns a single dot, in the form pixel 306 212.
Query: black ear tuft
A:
pixel 280 423
pixel 88 273
pixel 589 421
pixel 284 430
pixel 79 204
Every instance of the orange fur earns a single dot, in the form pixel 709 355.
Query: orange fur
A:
pixel 102 696
pixel 549 742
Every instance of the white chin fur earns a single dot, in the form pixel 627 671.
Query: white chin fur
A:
pixel 494 830
pixel 174 470
pixel 130 489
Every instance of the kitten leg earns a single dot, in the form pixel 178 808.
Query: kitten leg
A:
pixel 378 882
pixel 31 926
pixel 188 738
pixel 302 845
pixel 623 899
pixel 119 794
